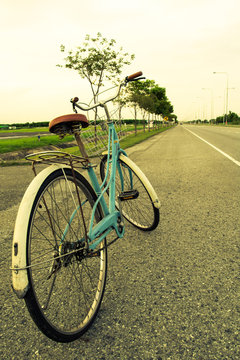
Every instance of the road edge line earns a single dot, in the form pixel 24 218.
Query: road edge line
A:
pixel 214 147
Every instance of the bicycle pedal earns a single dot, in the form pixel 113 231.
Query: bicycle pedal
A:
pixel 128 195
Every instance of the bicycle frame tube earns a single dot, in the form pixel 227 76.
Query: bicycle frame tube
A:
pixel 111 215
pixel 121 177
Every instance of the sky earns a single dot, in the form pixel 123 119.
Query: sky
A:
pixel 177 43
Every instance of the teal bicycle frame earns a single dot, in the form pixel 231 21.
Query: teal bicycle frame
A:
pixel 112 219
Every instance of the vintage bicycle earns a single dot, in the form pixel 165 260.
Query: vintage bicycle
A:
pixel 59 255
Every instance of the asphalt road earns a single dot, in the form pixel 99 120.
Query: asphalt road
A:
pixel 225 139
pixel 172 293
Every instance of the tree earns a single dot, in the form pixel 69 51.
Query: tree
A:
pixel 121 101
pixel 149 97
pixel 138 95
pixel 173 117
pixel 163 105
pixel 97 60
pixel 233 118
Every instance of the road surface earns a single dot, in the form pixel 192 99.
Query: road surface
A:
pixel 225 139
pixel 171 294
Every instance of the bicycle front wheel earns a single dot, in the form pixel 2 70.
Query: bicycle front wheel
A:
pixel 66 282
pixel 133 195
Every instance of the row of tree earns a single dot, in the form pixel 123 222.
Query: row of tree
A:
pixel 26 125
pixel 150 98
pixel 231 118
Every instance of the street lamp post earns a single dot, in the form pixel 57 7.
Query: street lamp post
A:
pixel 226 110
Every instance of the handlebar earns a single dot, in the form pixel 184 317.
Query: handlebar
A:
pixel 134 77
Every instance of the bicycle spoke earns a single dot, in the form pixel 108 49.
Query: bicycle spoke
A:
pixel 44 307
pixel 139 211
pixel 67 285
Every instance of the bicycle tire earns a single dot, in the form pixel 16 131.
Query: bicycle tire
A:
pixel 138 209
pixel 78 282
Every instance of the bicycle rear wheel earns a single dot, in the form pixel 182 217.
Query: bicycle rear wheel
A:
pixel 66 283
pixel 132 191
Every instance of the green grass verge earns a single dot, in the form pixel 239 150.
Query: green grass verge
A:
pixel 23 130
pixel 125 143
pixel 27 143
pixel 9 145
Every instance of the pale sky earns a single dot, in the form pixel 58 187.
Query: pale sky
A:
pixel 177 43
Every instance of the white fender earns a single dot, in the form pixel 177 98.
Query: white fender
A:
pixel 144 179
pixel 20 281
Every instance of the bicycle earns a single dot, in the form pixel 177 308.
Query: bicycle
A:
pixel 59 256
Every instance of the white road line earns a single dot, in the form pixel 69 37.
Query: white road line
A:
pixel 214 147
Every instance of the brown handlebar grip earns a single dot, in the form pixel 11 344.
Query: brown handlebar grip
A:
pixel 133 76
pixel 74 100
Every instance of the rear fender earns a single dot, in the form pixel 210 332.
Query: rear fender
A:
pixel 20 281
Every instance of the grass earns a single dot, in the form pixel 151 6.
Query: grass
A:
pixel 128 141
pixel 27 143
pixel 9 145
pixel 27 130
pixel 32 142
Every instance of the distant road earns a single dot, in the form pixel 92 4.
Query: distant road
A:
pixel 227 139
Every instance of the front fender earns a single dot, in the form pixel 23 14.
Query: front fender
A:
pixel 144 179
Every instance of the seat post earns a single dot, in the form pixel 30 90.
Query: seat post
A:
pixel 81 145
